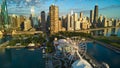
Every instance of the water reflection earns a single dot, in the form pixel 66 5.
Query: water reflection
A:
pixel 107 32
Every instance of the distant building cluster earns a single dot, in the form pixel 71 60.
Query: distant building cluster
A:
pixel 75 22
pixel 52 23
pixel 101 21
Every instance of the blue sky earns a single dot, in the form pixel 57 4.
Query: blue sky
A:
pixel 108 8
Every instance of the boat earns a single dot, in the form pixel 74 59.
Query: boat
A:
pixel 31 45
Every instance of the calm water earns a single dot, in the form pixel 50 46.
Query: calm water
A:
pixel 103 54
pixel 21 58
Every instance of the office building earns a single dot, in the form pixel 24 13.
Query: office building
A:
pixel 54 19
pixel 43 22
pixel 91 16
pixel 68 22
pixel 95 22
pixel 4 13
pixel 27 25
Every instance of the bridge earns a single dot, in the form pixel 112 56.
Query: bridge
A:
pixel 96 29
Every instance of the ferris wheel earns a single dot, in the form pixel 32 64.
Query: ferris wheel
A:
pixel 73 48
pixel 81 43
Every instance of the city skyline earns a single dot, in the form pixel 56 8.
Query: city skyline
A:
pixel 110 10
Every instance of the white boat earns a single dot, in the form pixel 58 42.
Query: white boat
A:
pixel 31 45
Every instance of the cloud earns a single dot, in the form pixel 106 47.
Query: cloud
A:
pixel 110 7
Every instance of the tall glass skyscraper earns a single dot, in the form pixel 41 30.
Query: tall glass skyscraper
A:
pixel 4 15
pixel 95 15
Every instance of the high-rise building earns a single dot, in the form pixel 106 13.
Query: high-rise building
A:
pixel 72 22
pixel 31 19
pixel 68 22
pixel 75 17
pixel 60 25
pixel 43 22
pixel 48 23
pixel 81 15
pixel 4 13
pixel 95 15
pixel 77 25
pixel 63 21
pixel 27 25
pixel 54 19
pixel 1 21
pixel 32 11
pixel 105 24
pixel 100 24
pixel 39 21
pixel 14 21
pixel 91 16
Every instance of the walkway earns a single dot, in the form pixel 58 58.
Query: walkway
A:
pixel 49 61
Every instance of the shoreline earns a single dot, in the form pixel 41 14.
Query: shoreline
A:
pixel 4 44
pixel 117 50
pixel 111 47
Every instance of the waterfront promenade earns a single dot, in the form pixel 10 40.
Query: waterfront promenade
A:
pixel 49 61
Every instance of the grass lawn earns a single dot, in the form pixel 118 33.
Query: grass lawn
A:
pixel 112 40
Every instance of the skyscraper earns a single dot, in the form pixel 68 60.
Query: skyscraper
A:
pixel 100 24
pixel 81 14
pixel 32 11
pixel 95 15
pixel 72 22
pixel 48 23
pixel 1 23
pixel 60 25
pixel 4 13
pixel 27 25
pixel 31 19
pixel 43 22
pixel 68 22
pixel 54 19
pixel 75 17
pixel 91 16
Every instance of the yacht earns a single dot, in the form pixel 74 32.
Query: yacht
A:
pixel 31 45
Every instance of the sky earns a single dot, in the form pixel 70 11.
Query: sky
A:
pixel 108 8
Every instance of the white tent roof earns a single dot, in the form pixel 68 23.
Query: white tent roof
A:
pixel 81 64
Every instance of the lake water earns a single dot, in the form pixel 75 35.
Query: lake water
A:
pixel 103 54
pixel 21 58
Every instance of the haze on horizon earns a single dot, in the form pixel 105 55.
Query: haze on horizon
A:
pixel 108 8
